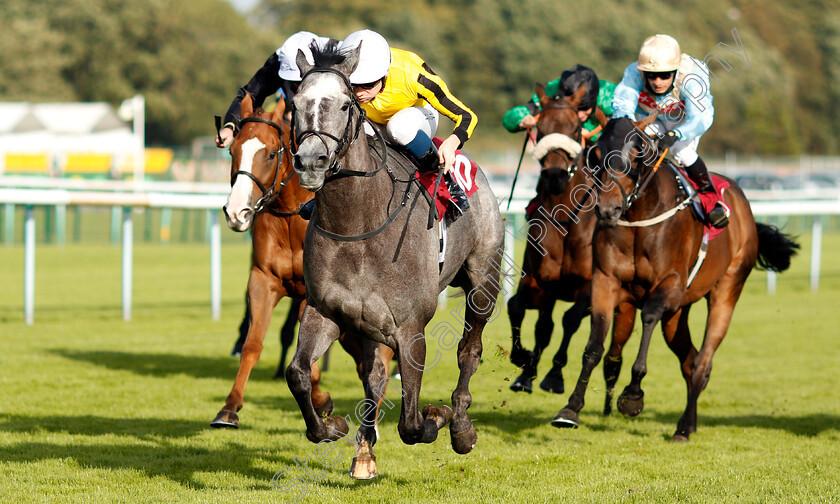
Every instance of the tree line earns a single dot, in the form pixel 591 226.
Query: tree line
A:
pixel 779 93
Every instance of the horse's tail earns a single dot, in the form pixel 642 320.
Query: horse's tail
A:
pixel 775 249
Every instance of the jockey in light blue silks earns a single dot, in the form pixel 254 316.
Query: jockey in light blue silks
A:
pixel 677 85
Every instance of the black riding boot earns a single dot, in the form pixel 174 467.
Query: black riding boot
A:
pixel 699 174
pixel 430 162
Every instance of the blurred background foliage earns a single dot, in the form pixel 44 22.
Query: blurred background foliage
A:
pixel 188 57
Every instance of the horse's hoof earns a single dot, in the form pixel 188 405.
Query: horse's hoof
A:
pixel 337 428
pixel 522 384
pixel 463 442
pixel 553 383
pixel 631 406
pixel 679 438
pixel 363 468
pixel 566 419
pixel 440 415
pixel 520 357
pixel 227 419
pixel 325 409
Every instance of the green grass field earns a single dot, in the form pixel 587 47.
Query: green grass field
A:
pixel 96 409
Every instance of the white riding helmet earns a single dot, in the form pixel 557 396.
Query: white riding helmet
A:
pixel 374 59
pixel 659 53
pixel 287 53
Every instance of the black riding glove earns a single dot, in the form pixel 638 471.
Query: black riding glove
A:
pixel 667 141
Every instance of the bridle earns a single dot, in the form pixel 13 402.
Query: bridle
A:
pixel 268 194
pixel 572 160
pixel 335 170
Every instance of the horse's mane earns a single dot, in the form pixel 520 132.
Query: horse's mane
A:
pixel 328 55
pixel 616 133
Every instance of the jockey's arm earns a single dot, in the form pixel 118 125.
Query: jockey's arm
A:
pixel 626 96
pixel 432 89
pixel 699 111
pixel 263 84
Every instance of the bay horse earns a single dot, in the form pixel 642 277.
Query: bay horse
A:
pixel 557 263
pixel 260 154
pixel 647 251
pixel 371 264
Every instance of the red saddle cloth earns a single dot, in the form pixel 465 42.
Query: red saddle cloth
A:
pixel 464 172
pixel 709 200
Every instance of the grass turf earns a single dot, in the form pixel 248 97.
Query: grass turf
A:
pixel 96 409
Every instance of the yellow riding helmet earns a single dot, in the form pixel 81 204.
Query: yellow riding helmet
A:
pixel 659 53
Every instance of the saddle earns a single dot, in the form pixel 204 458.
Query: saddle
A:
pixel 688 188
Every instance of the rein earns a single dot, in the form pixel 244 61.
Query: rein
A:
pixel 637 192
pixel 271 193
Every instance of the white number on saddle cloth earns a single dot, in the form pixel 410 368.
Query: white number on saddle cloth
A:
pixel 462 170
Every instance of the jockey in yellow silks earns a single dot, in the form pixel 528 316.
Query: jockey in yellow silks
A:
pixel 403 95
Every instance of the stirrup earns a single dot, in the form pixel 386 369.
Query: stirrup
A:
pixel 719 216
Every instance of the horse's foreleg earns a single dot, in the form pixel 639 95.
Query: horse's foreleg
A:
pixel 625 318
pixel 516 314
pixel 316 334
pixel 605 291
pixel 664 299
pixel 287 337
pixel 542 337
pixel 553 381
pixel 677 336
pixel 374 378
pixel 263 295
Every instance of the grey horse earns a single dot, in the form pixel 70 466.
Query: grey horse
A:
pixel 371 265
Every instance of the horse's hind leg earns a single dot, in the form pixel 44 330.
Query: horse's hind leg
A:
pixel 263 294
pixel 287 337
pixel 722 301
pixel 678 337
pixel 316 335
pixel 243 329
pixel 553 381
pixel 625 318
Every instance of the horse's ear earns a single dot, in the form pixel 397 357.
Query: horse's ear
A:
pixel 576 97
pixel 647 121
pixel 247 106
pixel 279 110
pixel 544 99
pixel 348 66
pixel 302 63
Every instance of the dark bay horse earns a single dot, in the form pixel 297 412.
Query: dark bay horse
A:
pixel 371 265
pixel 557 264
pixel 646 252
pixel 265 197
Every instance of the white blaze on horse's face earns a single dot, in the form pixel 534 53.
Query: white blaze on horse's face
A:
pixel 322 105
pixel 239 210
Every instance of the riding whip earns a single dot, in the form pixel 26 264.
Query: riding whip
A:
pixel 516 175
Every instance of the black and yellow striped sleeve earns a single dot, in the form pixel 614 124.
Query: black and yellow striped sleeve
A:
pixel 432 89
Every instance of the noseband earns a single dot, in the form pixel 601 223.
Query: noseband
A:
pixel 268 194
pixel 572 158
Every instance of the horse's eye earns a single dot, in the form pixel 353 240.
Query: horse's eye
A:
pixel 272 155
pixel 345 107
